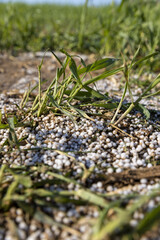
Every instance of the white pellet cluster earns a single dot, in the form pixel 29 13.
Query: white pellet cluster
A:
pixel 92 146
pixel 94 143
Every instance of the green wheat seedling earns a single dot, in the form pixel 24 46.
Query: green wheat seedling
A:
pixel 67 88
pixel 145 94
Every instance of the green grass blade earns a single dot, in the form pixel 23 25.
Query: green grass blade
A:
pixel 145 58
pixel 81 113
pixel 134 57
pixel 121 219
pixel 132 105
pixel 152 85
pixel 56 83
pixel 95 79
pixel 120 103
pixel 44 99
pixel 6 201
pixel 73 68
pixel 91 197
pixel 152 94
pixel 58 59
pixel 143 110
pixel 100 64
pixel 81 95
pixel 149 220
pixel 96 94
pixel 105 105
pixel 44 218
pixel 2 170
pixel 103 75
pixel 39 77
pixel 56 105
pixel 12 134
pixel 4 126
pixel 63 178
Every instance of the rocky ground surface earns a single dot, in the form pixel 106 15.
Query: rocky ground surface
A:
pixel 60 167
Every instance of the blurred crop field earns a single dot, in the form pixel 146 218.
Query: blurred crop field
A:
pixel 103 30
